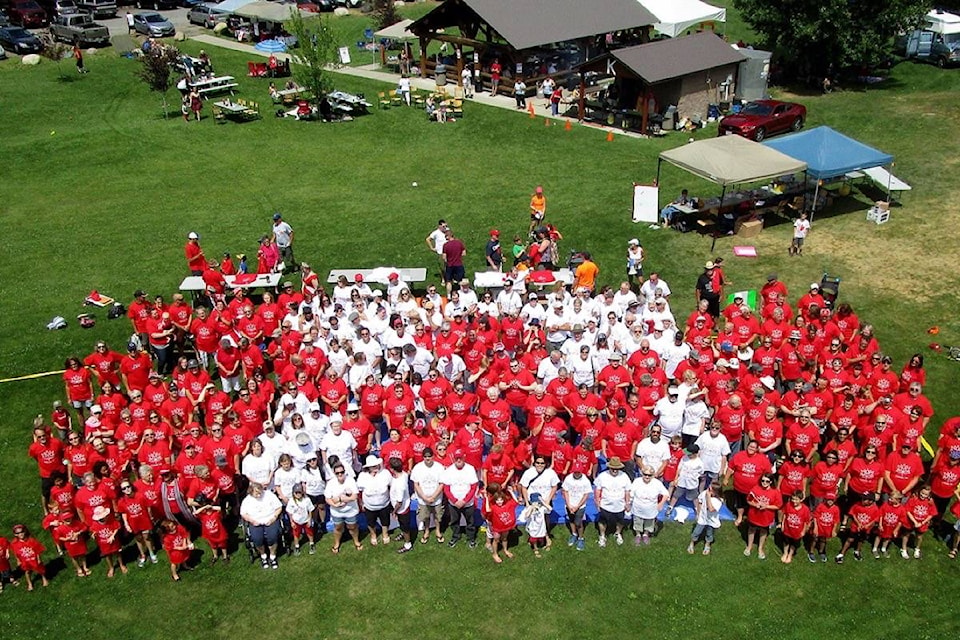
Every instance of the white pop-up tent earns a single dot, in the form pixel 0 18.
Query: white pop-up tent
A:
pixel 676 16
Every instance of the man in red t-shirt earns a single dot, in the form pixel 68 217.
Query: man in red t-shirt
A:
pixel 196 262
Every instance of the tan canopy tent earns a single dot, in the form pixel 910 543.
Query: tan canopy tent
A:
pixel 267 11
pixel 397 31
pixel 729 160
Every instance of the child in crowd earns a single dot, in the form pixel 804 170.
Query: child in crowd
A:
pixel 920 512
pixel 795 520
pixel 687 483
pixel 826 522
pixel 29 553
pixel 892 516
pixel 535 514
pixel 72 535
pixel 500 508
pixel 211 523
pixel 861 518
pixel 707 506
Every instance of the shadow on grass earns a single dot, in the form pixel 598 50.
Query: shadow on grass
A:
pixel 65 79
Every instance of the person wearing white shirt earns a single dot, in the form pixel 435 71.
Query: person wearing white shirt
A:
pixel 400 502
pixel 571 346
pixel 654 452
pixel 696 414
pixel 372 349
pixel 689 478
pixel 343 496
pixel 611 493
pixel 600 356
pixel 426 477
pixel 714 450
pixel 660 339
pixel 339 359
pixel 398 337
pixel 549 367
pixel 358 372
pixel 582 368
pixel 300 509
pixel 291 403
pixel 284 477
pixel 314 484
pixel 673 354
pixel 300 447
pixel 508 299
pixel 654 286
pixel 533 309
pixel 361 287
pixel 541 479
pixel 576 488
pixel 395 285
pixel 460 482
pixel 451 367
pixel 647 495
pixel 468 297
pixel 258 465
pixel 374 484
pixel 557 325
pixel 340 443
pixel 418 359
pixel 669 413
pixel 261 510
pixel 624 296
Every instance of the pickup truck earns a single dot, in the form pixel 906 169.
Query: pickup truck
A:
pixel 99 8
pixel 79 28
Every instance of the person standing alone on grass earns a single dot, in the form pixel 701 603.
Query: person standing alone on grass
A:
pixel 283 238
pixel 78 56
pixel 130 29
pixel 436 239
pixel 520 93
pixel 801 227
pixel 196 105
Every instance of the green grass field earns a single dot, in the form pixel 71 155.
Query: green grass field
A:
pixel 99 190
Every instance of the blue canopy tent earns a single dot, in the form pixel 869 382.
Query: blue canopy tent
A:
pixel 829 154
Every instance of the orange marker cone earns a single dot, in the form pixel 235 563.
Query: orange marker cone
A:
pixel 568 126
pixel 530 109
pixel 609 136
pixel 546 122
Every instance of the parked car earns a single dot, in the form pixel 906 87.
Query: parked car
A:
pixel 3 19
pixel 20 41
pixel 27 13
pixel 938 41
pixel 156 5
pixel 762 118
pixel 353 4
pixel 152 24
pixel 65 8
pixel 99 8
pixel 206 16
pixel 3 54
pixel 79 28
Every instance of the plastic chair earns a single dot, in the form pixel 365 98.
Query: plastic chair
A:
pixel 395 98
pixel 383 101
pixel 457 108
pixel 418 99
pixel 252 69
pixel 218 116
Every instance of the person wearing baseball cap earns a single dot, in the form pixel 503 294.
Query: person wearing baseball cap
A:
pixel 707 288
pixel 196 262
pixel 494 252
pixel 575 489
pixel 283 238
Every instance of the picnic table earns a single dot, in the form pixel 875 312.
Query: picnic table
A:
pixel 230 107
pixel 494 279
pixel 265 280
pixel 216 84
pixel 409 275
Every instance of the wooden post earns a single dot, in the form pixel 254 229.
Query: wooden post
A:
pixel 423 57
pixel 581 103
pixel 459 49
pixel 645 110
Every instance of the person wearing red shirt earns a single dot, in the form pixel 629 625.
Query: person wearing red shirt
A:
pixel 470 441
pixel 820 401
pixel 746 468
pixel 105 364
pixel 219 445
pixel 763 502
pixel 215 404
pixel 28 550
pixel 920 513
pixel 812 297
pixel 844 447
pixel 828 474
pixel 135 368
pixel 372 399
pixel 419 440
pixel 731 418
pixel 578 406
pixel 91 495
pixel 153 451
pixel 361 428
pixel 536 406
pixel 49 454
pixel 893 515
pixel 803 436
pixel 134 509
pixel 176 542
pixel 767 429
pixel 862 518
pixel 78 455
pixel 884 382
pixel 516 385
pixel 865 474
pixel 433 390
pixel 902 470
pixel 206 335
pixel 619 439
pixel 396 448
pixel 76 381
pixel 795 519
pixel 333 393
pixel 826 523
pixel 493 411
pixel 789 359
pixel 398 405
pixel 250 412
pixel 912 372
pixel 880 437
pixel 196 262
pixel 612 377
pixel 845 416
pixel 138 311
pixel 544 431
pixel 944 480
pixel 497 468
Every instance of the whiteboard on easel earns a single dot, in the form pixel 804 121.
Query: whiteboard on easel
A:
pixel 344 55
pixel 645 202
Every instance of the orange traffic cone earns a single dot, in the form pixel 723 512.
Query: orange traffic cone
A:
pixel 567 126
pixel 609 136
pixel 530 109
pixel 546 122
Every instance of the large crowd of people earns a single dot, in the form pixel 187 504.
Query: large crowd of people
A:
pixel 281 415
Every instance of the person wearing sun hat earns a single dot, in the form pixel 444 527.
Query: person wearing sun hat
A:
pixel 611 494
pixel 706 289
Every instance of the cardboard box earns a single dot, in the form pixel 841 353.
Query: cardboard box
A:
pixel 750 229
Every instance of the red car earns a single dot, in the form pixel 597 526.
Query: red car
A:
pixel 27 13
pixel 762 118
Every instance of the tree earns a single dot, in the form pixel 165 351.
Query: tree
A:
pixel 155 67
pixel 813 37
pixel 385 14
pixel 316 49
pixel 53 50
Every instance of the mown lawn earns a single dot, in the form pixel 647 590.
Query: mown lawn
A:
pixel 99 190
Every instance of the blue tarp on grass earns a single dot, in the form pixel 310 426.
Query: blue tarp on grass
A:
pixel 829 154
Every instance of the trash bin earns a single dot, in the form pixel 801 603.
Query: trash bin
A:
pixel 830 289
